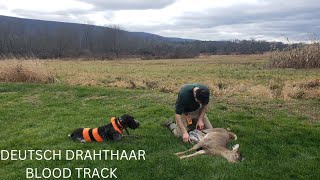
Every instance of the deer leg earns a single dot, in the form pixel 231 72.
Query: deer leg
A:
pixel 195 147
pixel 206 131
pixel 194 154
pixel 183 152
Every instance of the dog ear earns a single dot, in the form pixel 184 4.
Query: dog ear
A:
pixel 125 116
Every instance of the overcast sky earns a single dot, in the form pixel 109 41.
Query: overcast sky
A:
pixel 271 20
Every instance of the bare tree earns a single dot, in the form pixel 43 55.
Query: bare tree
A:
pixel 115 33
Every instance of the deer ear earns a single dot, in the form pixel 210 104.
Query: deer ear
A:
pixel 235 147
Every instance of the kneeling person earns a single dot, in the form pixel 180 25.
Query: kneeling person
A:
pixel 191 107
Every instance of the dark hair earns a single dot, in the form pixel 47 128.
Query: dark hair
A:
pixel 203 95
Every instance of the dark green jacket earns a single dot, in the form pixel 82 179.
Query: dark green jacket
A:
pixel 186 102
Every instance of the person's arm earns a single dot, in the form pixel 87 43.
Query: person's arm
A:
pixel 200 124
pixel 185 135
pixel 179 110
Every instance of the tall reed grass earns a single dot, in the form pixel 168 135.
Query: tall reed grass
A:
pixel 300 57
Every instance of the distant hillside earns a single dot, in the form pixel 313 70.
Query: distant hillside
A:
pixel 48 39
pixel 31 24
pixel 160 38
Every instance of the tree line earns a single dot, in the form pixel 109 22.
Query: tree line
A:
pixel 45 39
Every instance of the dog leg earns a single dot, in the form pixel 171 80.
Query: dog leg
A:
pixel 194 154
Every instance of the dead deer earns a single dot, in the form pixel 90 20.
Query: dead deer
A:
pixel 215 143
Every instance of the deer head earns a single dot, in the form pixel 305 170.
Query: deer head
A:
pixel 233 155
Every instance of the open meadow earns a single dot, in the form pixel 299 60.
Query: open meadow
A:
pixel 274 112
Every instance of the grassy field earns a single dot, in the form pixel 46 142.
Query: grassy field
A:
pixel 233 75
pixel 278 135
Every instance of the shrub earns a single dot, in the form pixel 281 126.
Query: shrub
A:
pixel 25 71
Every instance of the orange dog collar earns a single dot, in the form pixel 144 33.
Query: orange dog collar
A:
pixel 115 125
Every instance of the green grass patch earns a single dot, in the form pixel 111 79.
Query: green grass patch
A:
pixel 278 143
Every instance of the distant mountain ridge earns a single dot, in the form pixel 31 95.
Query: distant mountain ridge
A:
pixel 31 23
pixel 161 38
pixel 21 37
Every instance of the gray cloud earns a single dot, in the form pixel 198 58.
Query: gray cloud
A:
pixel 128 4
pixel 72 15
pixel 107 8
pixel 266 20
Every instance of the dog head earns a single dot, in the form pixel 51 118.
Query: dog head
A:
pixel 129 121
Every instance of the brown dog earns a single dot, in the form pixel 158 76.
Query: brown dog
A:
pixel 215 143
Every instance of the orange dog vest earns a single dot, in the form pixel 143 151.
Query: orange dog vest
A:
pixel 95 133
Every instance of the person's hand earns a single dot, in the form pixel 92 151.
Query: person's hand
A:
pixel 200 124
pixel 185 137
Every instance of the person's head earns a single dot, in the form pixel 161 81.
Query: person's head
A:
pixel 202 95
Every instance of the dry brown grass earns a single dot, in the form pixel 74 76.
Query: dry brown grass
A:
pixel 33 71
pixel 302 90
pixel 227 76
pixel 305 56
